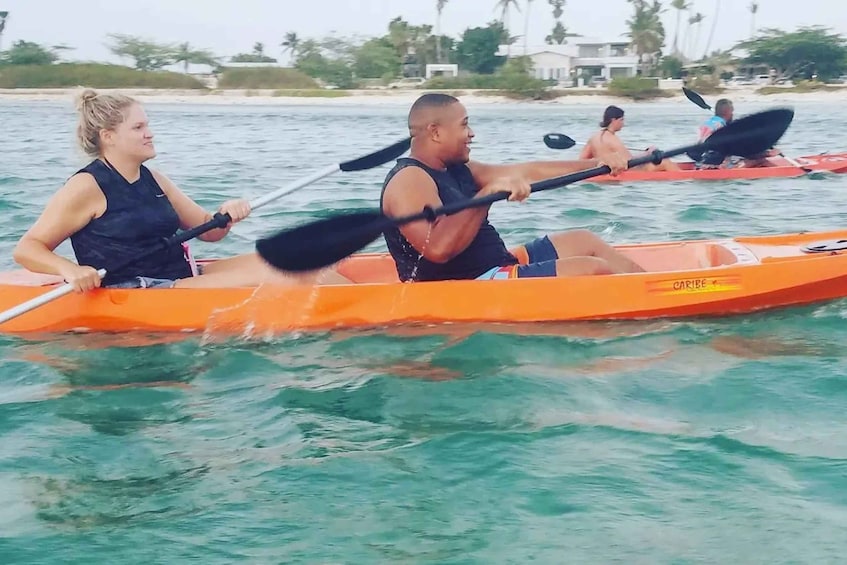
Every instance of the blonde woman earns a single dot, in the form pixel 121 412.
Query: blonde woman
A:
pixel 115 208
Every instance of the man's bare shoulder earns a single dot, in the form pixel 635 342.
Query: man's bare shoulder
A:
pixel 409 182
pixel 408 177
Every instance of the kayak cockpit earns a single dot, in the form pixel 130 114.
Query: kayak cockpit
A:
pixel 379 268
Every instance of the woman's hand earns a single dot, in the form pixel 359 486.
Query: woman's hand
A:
pixel 237 209
pixel 81 278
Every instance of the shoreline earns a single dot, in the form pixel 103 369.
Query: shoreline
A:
pixel 398 97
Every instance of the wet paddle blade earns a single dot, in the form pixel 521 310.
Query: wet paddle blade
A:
pixel 696 98
pixel 322 243
pixel 751 134
pixel 377 158
pixel 558 141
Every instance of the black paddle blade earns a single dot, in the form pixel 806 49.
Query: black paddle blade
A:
pixel 696 98
pixel 558 141
pixel 377 158
pixel 322 243
pixel 751 134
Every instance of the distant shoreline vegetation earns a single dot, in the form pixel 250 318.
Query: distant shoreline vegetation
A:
pixel 334 65
pixel 510 82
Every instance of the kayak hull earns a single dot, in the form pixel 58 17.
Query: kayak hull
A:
pixel 830 163
pixel 688 278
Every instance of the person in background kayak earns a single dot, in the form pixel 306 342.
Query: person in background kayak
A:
pixel 607 138
pixel 115 208
pixel 712 159
pixel 464 245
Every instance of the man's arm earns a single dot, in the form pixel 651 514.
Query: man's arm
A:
pixel 412 189
pixel 532 171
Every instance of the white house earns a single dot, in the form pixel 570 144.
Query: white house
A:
pixel 607 59
pixel 443 69
pixel 548 61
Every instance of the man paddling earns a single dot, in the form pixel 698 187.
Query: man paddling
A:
pixel 713 159
pixel 464 245
pixel 607 138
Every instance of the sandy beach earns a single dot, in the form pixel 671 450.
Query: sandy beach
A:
pixel 400 97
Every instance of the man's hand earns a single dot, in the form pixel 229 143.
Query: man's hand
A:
pixel 518 188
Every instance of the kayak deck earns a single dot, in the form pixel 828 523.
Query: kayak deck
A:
pixel 686 278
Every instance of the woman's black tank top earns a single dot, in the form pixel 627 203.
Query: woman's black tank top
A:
pixel 138 217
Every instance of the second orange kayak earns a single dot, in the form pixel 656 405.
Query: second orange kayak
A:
pixel 832 163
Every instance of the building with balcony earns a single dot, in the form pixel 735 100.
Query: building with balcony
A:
pixel 584 58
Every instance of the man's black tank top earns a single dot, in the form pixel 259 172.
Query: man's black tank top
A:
pixel 138 217
pixel 486 251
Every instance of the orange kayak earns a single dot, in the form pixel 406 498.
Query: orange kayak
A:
pixel 831 163
pixel 688 278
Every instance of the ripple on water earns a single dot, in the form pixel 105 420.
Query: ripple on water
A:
pixel 660 441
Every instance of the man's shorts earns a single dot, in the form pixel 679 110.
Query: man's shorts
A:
pixel 711 158
pixel 535 259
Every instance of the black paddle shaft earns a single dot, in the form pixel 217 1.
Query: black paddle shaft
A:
pixel 430 214
pixel 218 221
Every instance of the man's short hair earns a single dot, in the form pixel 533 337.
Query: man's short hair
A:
pixel 427 102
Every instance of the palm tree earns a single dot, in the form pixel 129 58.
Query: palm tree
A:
pixel 679 6
pixel 754 7
pixel 526 27
pixel 695 19
pixel 291 44
pixel 712 29
pixel 186 55
pixel 439 5
pixel 504 6
pixel 183 55
pixel 646 32
pixel 557 8
pixel 3 16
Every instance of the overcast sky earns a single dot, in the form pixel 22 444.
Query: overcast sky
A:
pixel 227 27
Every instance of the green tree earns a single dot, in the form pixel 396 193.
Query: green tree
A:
pixel 809 51
pixel 439 6
pixel 255 56
pixel 754 8
pixel 504 6
pixel 477 50
pixel 560 34
pixel 187 56
pixel 148 56
pixel 646 31
pixel 291 43
pixel 671 67
pixel 29 53
pixel 4 15
pixel 526 27
pixel 696 19
pixel 680 6
pixel 712 29
pixel 376 58
pixel 314 61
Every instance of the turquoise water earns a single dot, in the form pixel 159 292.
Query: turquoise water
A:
pixel 650 442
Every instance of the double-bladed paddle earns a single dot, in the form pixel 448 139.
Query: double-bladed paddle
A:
pixel 219 220
pixel 327 241
pixel 699 101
